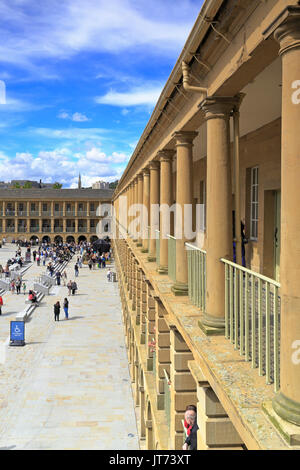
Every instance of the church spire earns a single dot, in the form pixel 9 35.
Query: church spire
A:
pixel 79 181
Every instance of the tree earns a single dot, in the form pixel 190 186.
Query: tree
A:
pixel 27 185
pixel 57 185
pixel 113 185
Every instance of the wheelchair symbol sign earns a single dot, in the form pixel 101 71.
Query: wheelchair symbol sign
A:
pixel 17 332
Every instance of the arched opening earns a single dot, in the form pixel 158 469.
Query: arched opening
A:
pixel 82 238
pixel 70 239
pixel 58 239
pixel 34 240
pixel 46 239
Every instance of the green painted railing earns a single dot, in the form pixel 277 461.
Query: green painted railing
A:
pixel 196 275
pixel 167 398
pixel 157 234
pixel 252 319
pixel 172 257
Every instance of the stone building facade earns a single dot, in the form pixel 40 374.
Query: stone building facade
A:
pixel 55 214
pixel 205 326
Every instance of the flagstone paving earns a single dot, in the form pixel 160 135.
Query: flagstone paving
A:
pixel 69 386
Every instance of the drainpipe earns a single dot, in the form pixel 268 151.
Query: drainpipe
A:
pixel 186 81
pixel 236 153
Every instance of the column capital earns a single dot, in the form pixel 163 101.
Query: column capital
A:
pixel 140 176
pixel 219 107
pixel 184 137
pixel 146 171
pixel 154 165
pixel 286 29
pixel 165 155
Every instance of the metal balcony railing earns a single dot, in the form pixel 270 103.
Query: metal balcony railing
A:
pixel 196 275
pixel 34 229
pixel 22 213
pixel 58 229
pixel 70 229
pixel 172 257
pixel 252 319
pixel 22 229
pixel 10 229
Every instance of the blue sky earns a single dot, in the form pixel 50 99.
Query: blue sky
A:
pixel 81 80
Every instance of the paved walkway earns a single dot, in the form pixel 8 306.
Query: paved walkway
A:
pixel 69 387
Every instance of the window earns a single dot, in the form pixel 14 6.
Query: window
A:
pixel 254 204
pixel 45 207
pixel 56 207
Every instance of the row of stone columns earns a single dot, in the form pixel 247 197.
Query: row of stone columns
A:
pixel 217 111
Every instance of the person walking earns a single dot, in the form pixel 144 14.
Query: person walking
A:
pixel 69 286
pixel 58 276
pixel 24 288
pixel 76 270
pixel 12 287
pixel 18 285
pixel 56 311
pixel 66 308
pixel 74 287
pixel 1 304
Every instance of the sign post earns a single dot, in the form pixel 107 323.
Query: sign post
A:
pixel 17 333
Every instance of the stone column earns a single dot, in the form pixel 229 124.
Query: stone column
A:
pixel 287 402
pixel 146 204
pixel 219 207
pixel 184 197
pixel 154 199
pixel 134 202
pixel 140 202
pixel 165 158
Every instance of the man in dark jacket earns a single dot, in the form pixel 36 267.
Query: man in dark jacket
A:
pixel 191 440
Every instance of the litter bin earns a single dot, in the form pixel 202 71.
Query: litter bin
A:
pixel 113 277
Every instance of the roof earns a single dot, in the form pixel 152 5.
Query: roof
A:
pixel 62 194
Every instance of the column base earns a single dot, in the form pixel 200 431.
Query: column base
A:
pixel 144 250
pixel 179 288
pixel 290 432
pixel 212 326
pixel 151 258
pixel 139 244
pixel 162 269
pixel 287 409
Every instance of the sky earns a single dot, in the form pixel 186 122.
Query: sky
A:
pixel 79 81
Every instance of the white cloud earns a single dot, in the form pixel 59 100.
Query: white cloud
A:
pixel 76 117
pixel 60 165
pixel 138 96
pixel 32 30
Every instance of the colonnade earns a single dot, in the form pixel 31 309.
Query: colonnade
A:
pixel 153 185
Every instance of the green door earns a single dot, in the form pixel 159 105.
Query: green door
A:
pixel 277 236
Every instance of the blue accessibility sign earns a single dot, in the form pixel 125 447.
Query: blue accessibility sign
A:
pixel 17 333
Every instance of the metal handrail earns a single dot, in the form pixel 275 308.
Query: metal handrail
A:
pixel 196 275
pixel 252 319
